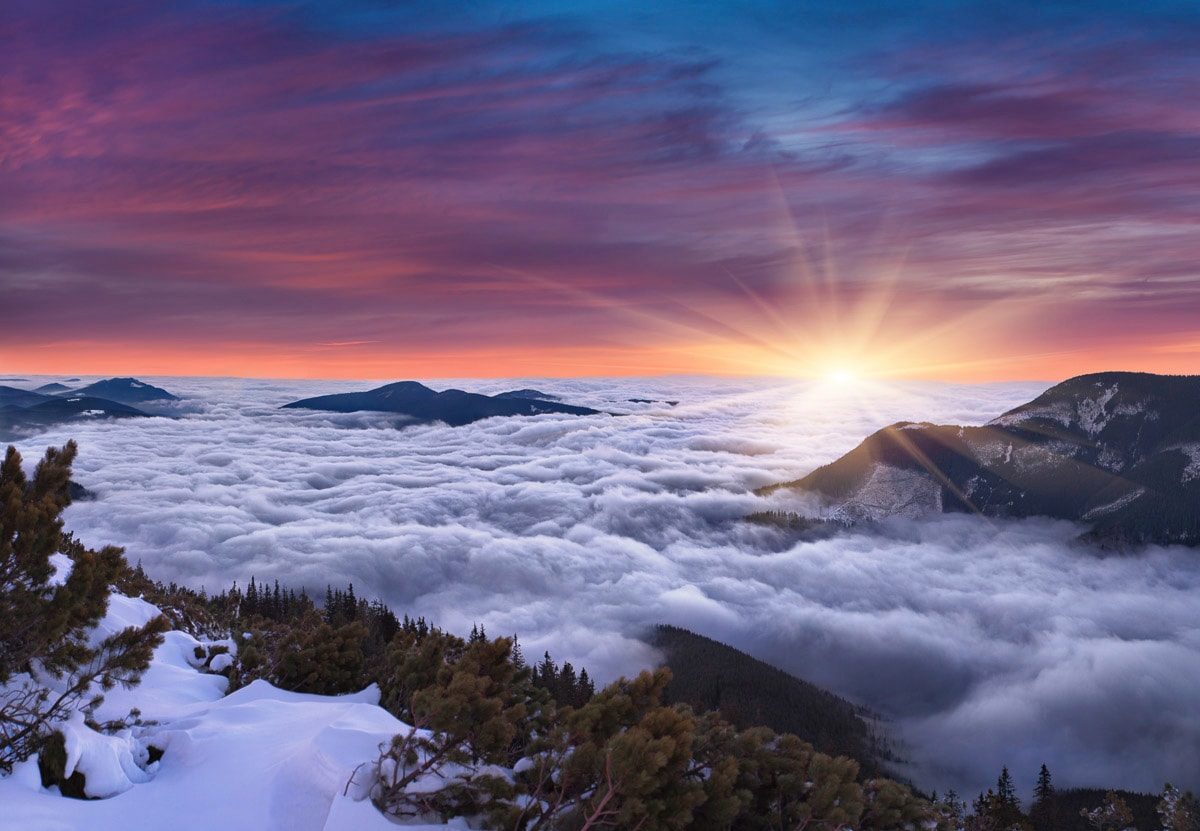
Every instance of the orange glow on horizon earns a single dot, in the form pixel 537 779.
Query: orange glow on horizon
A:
pixel 807 320
pixel 368 360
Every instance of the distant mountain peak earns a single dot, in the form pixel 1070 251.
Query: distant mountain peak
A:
pixel 404 388
pixel 536 395
pixel 124 391
pixel 422 404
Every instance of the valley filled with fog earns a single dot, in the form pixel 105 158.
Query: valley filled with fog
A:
pixel 985 644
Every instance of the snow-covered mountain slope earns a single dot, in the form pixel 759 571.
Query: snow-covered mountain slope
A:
pixel 1118 450
pixel 259 759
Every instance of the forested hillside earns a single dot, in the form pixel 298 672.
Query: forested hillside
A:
pixel 708 675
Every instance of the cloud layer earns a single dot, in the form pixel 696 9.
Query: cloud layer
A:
pixel 984 644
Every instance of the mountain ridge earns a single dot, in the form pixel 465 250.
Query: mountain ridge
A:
pixel 453 406
pixel 23 410
pixel 1119 451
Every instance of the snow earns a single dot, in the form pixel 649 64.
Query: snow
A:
pixel 1192 471
pixel 111 764
pixel 1033 457
pixel 1059 411
pixel 62 569
pixel 1116 504
pixel 1092 414
pixel 989 453
pixel 1110 459
pixel 892 491
pixel 258 759
pixel 170 687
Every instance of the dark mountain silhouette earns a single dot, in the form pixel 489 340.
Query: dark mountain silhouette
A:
pixel 25 410
pixel 13 397
pixel 536 395
pixel 1117 450
pixel 52 388
pixel 709 675
pixel 52 410
pixel 79 493
pixel 419 402
pixel 125 391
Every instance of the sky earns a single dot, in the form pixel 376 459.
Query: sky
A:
pixel 983 643
pixel 969 191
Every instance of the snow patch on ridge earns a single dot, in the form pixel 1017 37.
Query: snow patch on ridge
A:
pixel 991 453
pixel 1032 457
pixel 1090 414
pixel 891 491
pixel 1115 505
pixel 1110 459
pixel 1059 412
pixel 1093 417
pixel 1192 471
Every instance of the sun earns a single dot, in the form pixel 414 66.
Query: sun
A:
pixel 841 375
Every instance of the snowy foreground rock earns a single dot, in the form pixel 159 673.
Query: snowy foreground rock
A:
pixel 260 758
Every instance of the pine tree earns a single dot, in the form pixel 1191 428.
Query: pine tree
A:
pixel 956 809
pixel 1042 812
pixel 1005 790
pixel 565 692
pixel 320 659
pixel 1005 809
pixel 330 605
pixel 548 672
pixel 44 627
pixel 250 604
pixel 622 761
pixel 586 688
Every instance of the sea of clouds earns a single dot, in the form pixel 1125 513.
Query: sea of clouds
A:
pixel 984 644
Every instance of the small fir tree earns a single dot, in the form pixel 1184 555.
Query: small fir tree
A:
pixel 45 619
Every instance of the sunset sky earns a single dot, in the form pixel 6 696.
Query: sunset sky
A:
pixel 954 190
